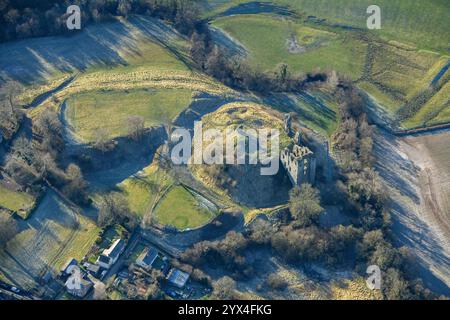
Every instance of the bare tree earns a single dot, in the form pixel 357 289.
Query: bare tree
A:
pixel 10 92
pixel 135 127
pixel 114 209
pixel 76 187
pixel 49 127
pixel 102 141
pixel 224 289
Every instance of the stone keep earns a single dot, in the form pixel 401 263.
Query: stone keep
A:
pixel 300 164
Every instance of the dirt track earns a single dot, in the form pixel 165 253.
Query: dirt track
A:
pixel 417 171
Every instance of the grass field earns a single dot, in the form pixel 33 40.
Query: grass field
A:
pixel 393 65
pixel 317 109
pixel 181 209
pixel 16 201
pixel 46 240
pixel 142 190
pixel 421 23
pixel 266 36
pixel 131 42
pixel 109 110
pixel 435 111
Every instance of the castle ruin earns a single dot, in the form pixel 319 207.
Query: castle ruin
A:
pixel 299 161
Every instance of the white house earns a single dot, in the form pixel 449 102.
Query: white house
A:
pixel 112 254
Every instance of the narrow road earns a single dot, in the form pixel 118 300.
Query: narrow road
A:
pixel 44 96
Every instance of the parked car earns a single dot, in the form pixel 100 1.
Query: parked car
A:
pixel 14 289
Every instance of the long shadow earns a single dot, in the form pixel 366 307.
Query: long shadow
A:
pixel 255 7
pixel 215 230
pixel 31 60
pixel 418 238
pixel 162 35
pixel 227 43
pixel 287 103
pixel 390 162
pixel 104 170
pixel 23 268
pixel 201 105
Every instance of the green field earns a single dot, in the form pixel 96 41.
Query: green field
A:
pixel 394 65
pixel 109 110
pixel 143 190
pixel 435 111
pixel 266 36
pixel 421 23
pixel 317 109
pixel 179 208
pixel 16 201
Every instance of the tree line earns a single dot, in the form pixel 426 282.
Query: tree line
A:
pixel 235 72
pixel 27 18
pixel 365 196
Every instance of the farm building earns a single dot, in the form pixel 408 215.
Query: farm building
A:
pixel 147 258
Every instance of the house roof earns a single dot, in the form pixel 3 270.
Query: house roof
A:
pixel 177 277
pixel 104 259
pixel 84 283
pixel 148 256
pixel 93 268
pixel 115 249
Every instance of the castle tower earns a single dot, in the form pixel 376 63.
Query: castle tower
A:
pixel 300 165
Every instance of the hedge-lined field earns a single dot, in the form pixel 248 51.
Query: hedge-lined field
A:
pixel 16 201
